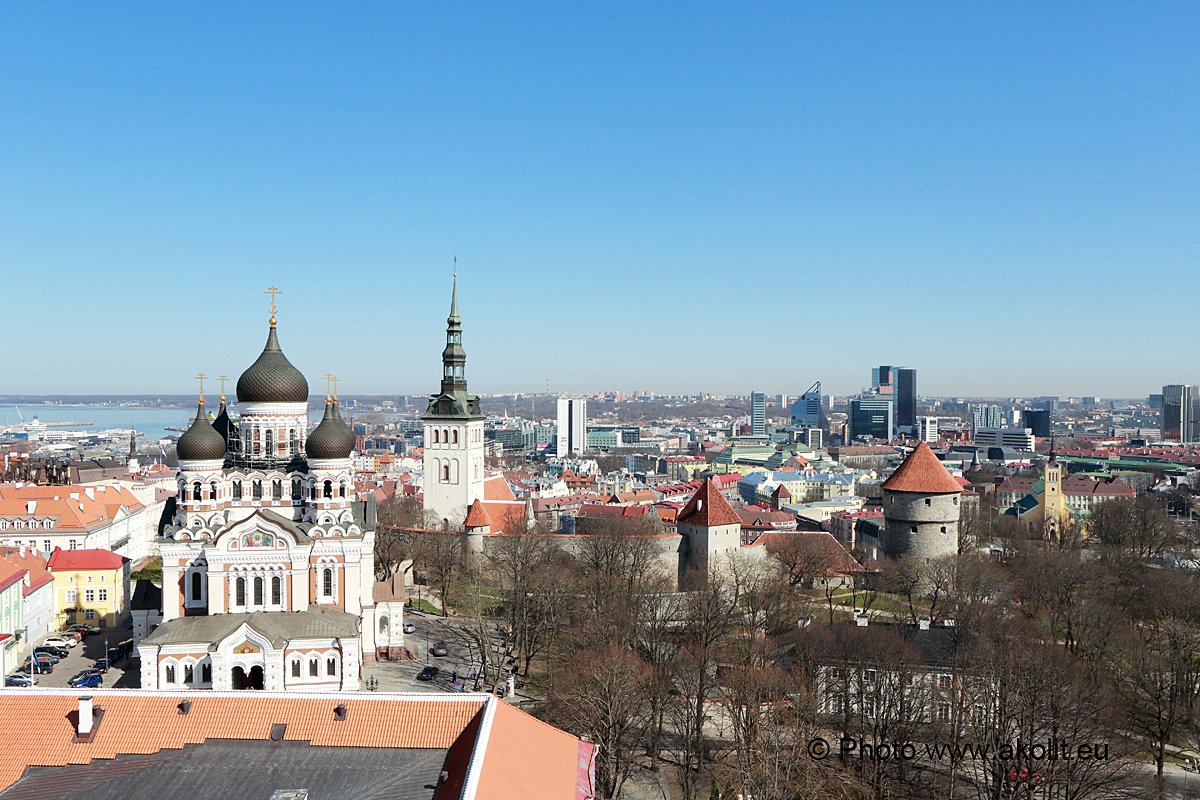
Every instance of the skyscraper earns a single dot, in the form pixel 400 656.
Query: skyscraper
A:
pixel 758 414
pixel 1180 413
pixel 870 416
pixel 572 426
pixel 807 411
pixel 881 380
pixel 905 382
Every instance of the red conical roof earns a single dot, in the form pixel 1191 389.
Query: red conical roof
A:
pixel 477 517
pixel 922 473
pixel 708 507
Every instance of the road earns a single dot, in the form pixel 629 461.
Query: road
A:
pixel 84 655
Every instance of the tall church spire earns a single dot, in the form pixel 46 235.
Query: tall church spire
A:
pixel 454 358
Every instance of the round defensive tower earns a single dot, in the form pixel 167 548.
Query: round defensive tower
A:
pixel 921 508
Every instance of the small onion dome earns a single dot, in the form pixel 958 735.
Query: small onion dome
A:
pixel 330 439
pixel 200 442
pixel 272 378
pixel 224 425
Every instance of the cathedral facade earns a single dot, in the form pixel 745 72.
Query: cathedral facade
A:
pixel 268 562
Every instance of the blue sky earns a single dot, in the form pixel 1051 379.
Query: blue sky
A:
pixel 669 197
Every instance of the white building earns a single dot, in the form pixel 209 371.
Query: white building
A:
pixel 453 458
pixel 572 426
pixel 1017 438
pixel 928 429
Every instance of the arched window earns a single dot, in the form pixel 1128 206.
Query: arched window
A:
pixel 312 668
pixel 189 673
pixel 196 490
pixel 237 490
pixel 256 490
pixel 240 592
pixel 297 491
pixel 170 673
pixel 455 435
pixel 258 590
pixel 276 489
pixel 256 441
pixel 446 474
pixel 276 590
pixel 342 489
pixel 206 673
pixel 270 436
pixel 330 666
pixel 293 442
pixel 313 493
pixel 296 668
pixel 328 489
pixel 327 582
pixel 435 436
pixel 196 588
pixel 383 624
pixel 212 491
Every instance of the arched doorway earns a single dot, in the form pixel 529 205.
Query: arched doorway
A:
pixel 243 681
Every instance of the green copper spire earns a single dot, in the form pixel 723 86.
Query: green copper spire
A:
pixel 453 402
pixel 454 303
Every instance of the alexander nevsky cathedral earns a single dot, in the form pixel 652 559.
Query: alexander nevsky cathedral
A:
pixel 268 562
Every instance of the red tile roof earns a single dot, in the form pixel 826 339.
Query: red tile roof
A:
pixel 33 563
pixel 496 488
pixel 10 573
pixel 708 507
pixel 478 517
pixel 507 754
pixel 922 473
pixel 85 559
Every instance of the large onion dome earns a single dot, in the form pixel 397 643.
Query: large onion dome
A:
pixel 200 442
pixel 330 439
pixel 272 378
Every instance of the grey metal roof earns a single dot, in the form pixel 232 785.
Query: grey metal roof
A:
pixel 224 768
pixel 278 627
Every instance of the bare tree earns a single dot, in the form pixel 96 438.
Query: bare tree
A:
pixel 398 517
pixel 441 556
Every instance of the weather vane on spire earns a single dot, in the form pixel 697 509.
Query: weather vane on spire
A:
pixel 456 266
pixel 273 291
pixel 201 378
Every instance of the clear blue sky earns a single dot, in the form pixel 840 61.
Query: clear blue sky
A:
pixel 672 197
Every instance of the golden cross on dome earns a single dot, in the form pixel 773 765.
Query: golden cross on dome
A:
pixel 222 379
pixel 335 380
pixel 201 378
pixel 328 376
pixel 273 291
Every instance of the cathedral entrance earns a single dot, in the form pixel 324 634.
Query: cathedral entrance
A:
pixel 252 681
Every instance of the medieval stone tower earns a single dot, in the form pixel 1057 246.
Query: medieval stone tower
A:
pixel 921 508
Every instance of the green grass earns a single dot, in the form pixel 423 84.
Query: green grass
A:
pixel 424 605
pixel 150 571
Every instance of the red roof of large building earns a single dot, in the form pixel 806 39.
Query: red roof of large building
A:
pixel 922 473
pixel 33 562
pixel 85 559
pixel 708 507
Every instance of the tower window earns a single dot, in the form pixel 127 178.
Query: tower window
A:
pixel 277 589
pixel 258 591
pixel 256 490
pixel 312 668
pixel 328 489
pixel 240 592
pixel 455 435
pixel 435 436
pixel 196 581
pixel 327 582
pixel 296 668
pixel 342 489
pixel 277 489
pixel 170 673
pixel 928 501
pixel 330 666
pixel 196 490
pixel 237 490
pixel 446 474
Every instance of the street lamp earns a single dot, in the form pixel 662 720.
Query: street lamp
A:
pixel 372 684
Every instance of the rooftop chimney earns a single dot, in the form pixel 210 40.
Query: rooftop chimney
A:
pixel 85 716
pixel 185 706
pixel 339 712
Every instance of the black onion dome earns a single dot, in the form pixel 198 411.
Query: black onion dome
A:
pixel 200 442
pixel 224 425
pixel 330 439
pixel 272 378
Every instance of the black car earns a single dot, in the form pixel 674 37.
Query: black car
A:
pixel 86 630
pixel 17 679
pixel 439 648
pixel 57 652
pixel 101 665
pixel 83 672
pixel 428 674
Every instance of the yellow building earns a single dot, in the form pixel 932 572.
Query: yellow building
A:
pixel 90 587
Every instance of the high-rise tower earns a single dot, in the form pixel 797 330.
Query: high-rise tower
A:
pixel 453 434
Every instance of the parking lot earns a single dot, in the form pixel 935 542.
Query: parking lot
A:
pixel 84 656
pixel 457 665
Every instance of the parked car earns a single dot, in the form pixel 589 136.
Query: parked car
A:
pixel 102 665
pixel 42 667
pixel 113 654
pixel 86 630
pixel 90 680
pixel 58 652
pixel 428 674
pixel 76 635
pixel 82 672
pixel 60 641
pixel 50 657
pixel 439 648
pixel 19 679
pixel 410 628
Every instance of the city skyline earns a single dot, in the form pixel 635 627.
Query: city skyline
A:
pixel 884 168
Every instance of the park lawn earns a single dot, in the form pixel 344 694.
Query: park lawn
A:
pixel 151 571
